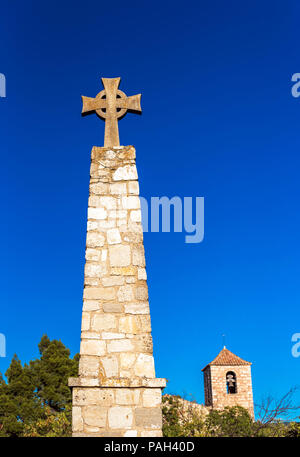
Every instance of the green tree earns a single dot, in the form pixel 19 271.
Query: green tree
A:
pixel 18 401
pixel 293 430
pixel 182 417
pixel 36 399
pixel 230 422
pixel 51 371
pixel 170 410
pixel 52 425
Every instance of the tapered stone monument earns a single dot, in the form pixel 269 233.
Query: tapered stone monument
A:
pixel 116 393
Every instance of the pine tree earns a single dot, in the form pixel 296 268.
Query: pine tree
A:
pixel 18 402
pixel 36 397
pixel 51 372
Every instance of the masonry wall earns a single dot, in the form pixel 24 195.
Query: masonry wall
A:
pixel 216 390
pixel 116 393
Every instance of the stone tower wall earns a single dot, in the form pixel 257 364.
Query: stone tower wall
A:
pixel 116 393
pixel 216 390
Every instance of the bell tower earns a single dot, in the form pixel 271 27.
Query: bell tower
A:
pixel 227 382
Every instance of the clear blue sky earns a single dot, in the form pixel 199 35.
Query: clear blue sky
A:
pixel 218 121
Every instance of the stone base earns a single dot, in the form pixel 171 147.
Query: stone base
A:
pixel 131 408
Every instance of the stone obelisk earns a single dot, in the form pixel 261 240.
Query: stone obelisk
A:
pixel 116 393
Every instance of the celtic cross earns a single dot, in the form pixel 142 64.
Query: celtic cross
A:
pixel 111 104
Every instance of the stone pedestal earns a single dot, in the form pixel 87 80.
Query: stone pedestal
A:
pixel 116 393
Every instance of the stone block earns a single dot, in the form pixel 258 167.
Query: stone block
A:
pixel 92 225
pixel 133 237
pixel 110 154
pixel 108 202
pixel 112 307
pixel 88 366
pixel 118 214
pixel 85 321
pixel 77 421
pixel 127 153
pixel 113 281
pixel 113 236
pixel 148 417
pixel 125 293
pixel 136 215
pixel 141 293
pixel 126 173
pixel 144 344
pixel 104 225
pixel 110 366
pixel 104 322
pixel 97 213
pixel 129 324
pixel 133 188
pixel 94 240
pixel 95 416
pixel 130 280
pixel 144 366
pixel 99 293
pixel 124 396
pixel 118 188
pixel 145 323
pixel 93 270
pixel 94 201
pixel 91 281
pixel 127 360
pixel 138 256
pixel 119 255
pixel 142 275
pixel 93 254
pixel 151 398
pixel 135 227
pixel 120 417
pixel 92 347
pixel 131 202
pixel 137 308
pixel 93 396
pixel 124 271
pixel 91 305
pixel 99 188
pixel 122 345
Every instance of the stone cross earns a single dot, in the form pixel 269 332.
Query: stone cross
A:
pixel 111 104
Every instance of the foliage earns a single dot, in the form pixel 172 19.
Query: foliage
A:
pixel 230 422
pixel 36 399
pixel 18 401
pixel 170 410
pixel 52 425
pixel 293 430
pixel 182 418
pixel 50 374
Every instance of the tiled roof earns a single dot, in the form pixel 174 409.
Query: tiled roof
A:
pixel 225 357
